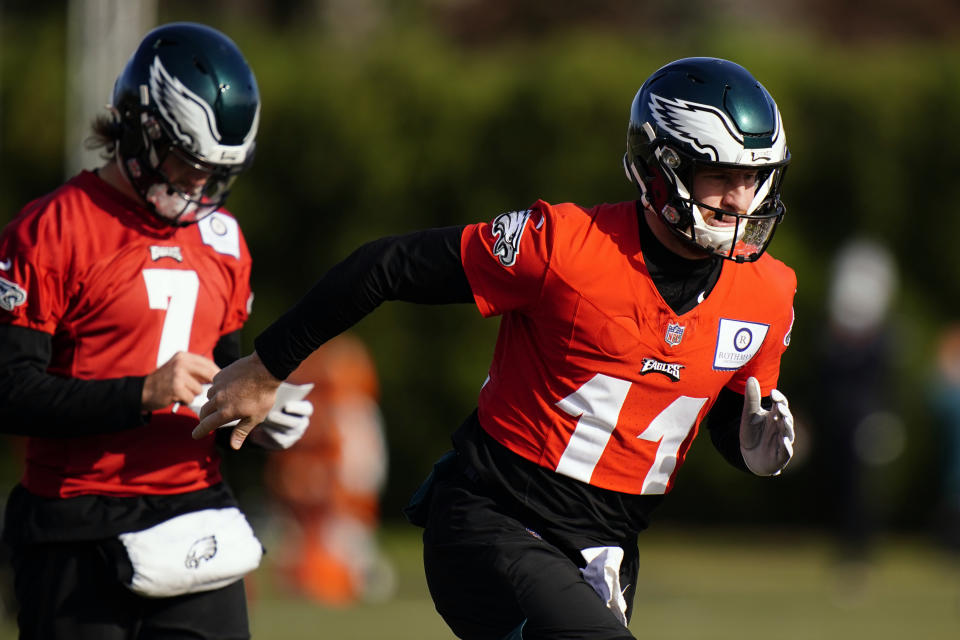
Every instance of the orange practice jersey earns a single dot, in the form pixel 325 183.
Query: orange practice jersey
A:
pixel 593 375
pixel 120 295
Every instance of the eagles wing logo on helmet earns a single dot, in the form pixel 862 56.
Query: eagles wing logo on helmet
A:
pixel 508 227
pixel 200 551
pixel 706 128
pixel 193 120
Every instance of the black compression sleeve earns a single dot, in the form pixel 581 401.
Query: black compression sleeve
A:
pixel 723 423
pixel 36 403
pixel 421 267
pixel 227 349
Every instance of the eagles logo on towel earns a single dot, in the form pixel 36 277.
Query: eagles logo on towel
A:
pixel 200 551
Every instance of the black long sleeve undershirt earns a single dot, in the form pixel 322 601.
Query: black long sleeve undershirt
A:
pixel 723 423
pixel 36 403
pixel 422 267
pixel 425 267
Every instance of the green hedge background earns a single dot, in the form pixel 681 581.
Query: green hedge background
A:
pixel 406 127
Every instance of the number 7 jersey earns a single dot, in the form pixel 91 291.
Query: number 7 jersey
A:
pixel 593 375
pixel 121 293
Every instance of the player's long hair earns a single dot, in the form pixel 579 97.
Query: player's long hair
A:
pixel 105 132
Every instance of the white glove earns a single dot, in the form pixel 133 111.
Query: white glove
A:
pixel 288 419
pixel 286 422
pixel 766 436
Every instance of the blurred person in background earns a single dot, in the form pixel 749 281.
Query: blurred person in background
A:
pixel 622 327
pixel 946 402
pixel 327 488
pixel 122 292
pixel 854 389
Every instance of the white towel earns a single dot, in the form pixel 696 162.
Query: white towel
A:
pixel 603 574
pixel 197 551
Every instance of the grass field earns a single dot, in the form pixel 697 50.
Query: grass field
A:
pixel 748 585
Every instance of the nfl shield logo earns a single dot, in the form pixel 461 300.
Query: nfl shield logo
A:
pixel 674 334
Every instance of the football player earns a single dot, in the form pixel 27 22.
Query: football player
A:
pixel 622 327
pixel 123 292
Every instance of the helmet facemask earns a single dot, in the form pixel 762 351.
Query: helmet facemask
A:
pixel 671 174
pixel 176 185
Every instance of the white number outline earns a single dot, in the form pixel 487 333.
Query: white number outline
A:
pixel 174 291
pixel 597 405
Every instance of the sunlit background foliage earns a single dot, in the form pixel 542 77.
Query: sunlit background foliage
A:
pixel 385 116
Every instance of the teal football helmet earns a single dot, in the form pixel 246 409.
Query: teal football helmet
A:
pixel 707 112
pixel 186 99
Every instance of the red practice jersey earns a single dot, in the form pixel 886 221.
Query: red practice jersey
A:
pixel 593 375
pixel 120 294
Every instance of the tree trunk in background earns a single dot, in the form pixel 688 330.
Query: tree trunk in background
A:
pixel 101 35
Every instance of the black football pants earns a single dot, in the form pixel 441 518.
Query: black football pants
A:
pixel 70 591
pixel 488 573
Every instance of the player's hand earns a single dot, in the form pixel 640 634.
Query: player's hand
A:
pixel 243 391
pixel 287 421
pixel 179 379
pixel 766 435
